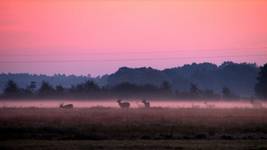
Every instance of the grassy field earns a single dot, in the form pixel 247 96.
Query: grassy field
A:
pixel 114 128
pixel 112 123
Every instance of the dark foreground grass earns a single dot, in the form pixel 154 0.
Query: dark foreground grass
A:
pixel 134 124
pixel 135 144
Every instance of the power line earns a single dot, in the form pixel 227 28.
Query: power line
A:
pixel 130 59
pixel 90 52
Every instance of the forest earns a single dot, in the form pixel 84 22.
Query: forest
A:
pixel 89 88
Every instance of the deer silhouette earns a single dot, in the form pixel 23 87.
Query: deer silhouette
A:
pixel 123 104
pixel 146 103
pixel 66 106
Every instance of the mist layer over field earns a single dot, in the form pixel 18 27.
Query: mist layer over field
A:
pixel 135 103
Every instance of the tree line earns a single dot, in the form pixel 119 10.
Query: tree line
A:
pixel 91 90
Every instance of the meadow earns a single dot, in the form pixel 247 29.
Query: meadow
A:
pixel 122 127
pixel 100 123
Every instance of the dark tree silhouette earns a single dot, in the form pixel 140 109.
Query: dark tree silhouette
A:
pixel 46 90
pixel 91 86
pixel 59 89
pixel 194 90
pixel 11 89
pixel 227 93
pixel 88 86
pixel 165 86
pixel 30 89
pixel 261 85
pixel 125 87
pixel 209 94
pixel 32 86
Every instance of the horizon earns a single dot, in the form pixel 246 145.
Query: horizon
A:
pixel 100 75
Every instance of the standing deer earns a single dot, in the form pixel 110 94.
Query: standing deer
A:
pixel 66 106
pixel 123 104
pixel 146 103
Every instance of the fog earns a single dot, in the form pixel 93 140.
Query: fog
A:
pixel 133 103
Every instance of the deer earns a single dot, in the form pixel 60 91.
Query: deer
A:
pixel 66 106
pixel 123 104
pixel 146 103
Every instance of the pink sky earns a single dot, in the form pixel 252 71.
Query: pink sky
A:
pixel 99 36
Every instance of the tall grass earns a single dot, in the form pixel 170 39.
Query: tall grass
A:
pixel 115 123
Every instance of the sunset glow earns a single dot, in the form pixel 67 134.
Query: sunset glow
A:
pixel 99 36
